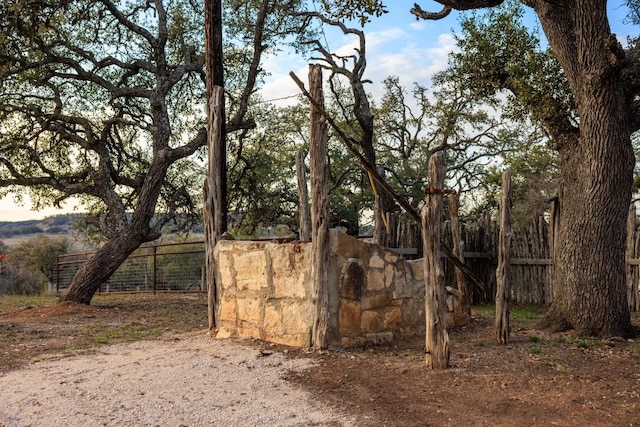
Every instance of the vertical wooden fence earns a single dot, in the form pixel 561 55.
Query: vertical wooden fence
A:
pixel 531 272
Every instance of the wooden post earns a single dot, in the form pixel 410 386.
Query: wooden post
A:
pixel 502 272
pixel 215 185
pixel 437 339
pixel 632 284
pixel 554 226
pixel 636 276
pixel 402 201
pixel 457 247
pixel 213 204
pixel 215 77
pixel 378 227
pixel 320 211
pixel 303 199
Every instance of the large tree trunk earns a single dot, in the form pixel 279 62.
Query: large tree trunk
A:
pixel 125 240
pixel 596 169
pixel 100 267
pixel 596 166
pixel 595 191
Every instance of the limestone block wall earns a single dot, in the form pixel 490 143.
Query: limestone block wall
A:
pixel 377 296
pixel 265 292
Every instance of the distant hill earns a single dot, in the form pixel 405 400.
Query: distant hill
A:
pixel 53 225
pixel 59 224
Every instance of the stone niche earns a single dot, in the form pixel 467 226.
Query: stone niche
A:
pixel 265 292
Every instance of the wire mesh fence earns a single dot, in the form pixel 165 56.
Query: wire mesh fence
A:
pixel 154 268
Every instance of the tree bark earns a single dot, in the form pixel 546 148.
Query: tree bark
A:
pixel 457 247
pixel 502 272
pixel 596 170
pixel 214 68
pixel 97 270
pixel 380 237
pixel 320 211
pixel 215 186
pixel 596 167
pixel 303 200
pixel 632 283
pixel 213 203
pixel 437 339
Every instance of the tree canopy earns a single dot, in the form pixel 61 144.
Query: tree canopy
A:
pixel 596 163
pixel 104 101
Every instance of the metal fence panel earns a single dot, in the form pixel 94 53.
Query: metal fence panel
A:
pixel 167 267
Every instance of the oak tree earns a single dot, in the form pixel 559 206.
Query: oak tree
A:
pixel 595 167
pixel 104 101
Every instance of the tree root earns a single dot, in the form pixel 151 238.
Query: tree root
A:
pixel 553 321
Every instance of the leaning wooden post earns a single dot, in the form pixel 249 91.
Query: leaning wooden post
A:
pixel 632 284
pixel 303 199
pixel 502 272
pixel 213 199
pixel 437 338
pixel 457 247
pixel 320 211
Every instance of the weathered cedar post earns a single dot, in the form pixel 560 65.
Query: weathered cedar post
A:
pixel 457 248
pixel 303 199
pixel 215 185
pixel 320 210
pixel 213 199
pixel 437 338
pixel 554 225
pixel 502 272
pixel 632 283
pixel 378 227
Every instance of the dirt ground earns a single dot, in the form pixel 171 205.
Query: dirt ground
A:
pixel 538 379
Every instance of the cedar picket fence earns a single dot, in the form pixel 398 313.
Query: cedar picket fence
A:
pixel 531 272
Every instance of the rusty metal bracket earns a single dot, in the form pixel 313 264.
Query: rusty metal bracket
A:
pixel 431 190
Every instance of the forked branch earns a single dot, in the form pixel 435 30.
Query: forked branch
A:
pixel 449 5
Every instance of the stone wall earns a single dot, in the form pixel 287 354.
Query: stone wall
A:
pixel 375 295
pixel 378 295
pixel 265 291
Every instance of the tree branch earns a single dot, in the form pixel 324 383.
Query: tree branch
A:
pixel 454 4
pixel 434 16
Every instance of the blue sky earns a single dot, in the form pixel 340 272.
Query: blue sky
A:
pixel 397 44
pixel 400 45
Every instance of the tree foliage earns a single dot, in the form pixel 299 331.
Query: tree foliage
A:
pixel 262 189
pixel 409 126
pixel 501 69
pixel 104 101
pixel 595 159
pixel 361 10
pixel 90 108
pixel 29 266
pixel 499 55
pixel 39 255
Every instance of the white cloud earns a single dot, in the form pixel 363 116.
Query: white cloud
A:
pixel 380 38
pixel 279 84
pixel 411 62
pixel 418 25
pixel 390 52
pixel 440 53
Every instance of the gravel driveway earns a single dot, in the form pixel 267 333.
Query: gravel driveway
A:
pixel 190 381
